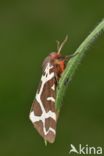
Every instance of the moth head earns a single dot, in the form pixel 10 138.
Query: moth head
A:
pixel 58 61
pixel 56 57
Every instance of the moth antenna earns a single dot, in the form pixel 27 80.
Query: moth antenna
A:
pixel 62 44
pixel 58 44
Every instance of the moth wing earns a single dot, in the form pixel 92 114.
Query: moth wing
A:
pixel 48 98
pixel 35 114
pixel 44 117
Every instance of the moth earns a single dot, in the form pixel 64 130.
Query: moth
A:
pixel 43 113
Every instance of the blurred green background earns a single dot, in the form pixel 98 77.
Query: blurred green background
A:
pixel 28 33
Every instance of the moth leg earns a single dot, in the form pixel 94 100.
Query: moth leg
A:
pixel 70 56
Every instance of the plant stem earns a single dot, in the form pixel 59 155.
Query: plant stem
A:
pixel 74 62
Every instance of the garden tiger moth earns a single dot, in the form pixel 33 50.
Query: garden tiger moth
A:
pixel 43 113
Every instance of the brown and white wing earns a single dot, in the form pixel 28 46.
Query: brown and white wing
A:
pixel 43 114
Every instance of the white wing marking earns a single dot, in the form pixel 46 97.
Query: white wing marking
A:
pixel 50 99
pixel 45 78
pixel 53 87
